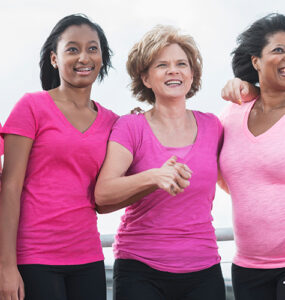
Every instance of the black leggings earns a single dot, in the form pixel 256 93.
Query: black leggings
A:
pixel 76 282
pixel 134 280
pixel 258 284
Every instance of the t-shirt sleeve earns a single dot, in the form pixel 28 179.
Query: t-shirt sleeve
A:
pixel 123 133
pixel 22 120
pixel 225 112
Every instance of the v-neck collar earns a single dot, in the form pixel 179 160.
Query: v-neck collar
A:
pixel 263 135
pixel 55 108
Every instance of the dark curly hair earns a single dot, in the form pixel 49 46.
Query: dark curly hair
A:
pixel 251 43
pixel 50 76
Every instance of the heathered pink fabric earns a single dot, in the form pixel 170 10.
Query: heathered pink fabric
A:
pixel 254 170
pixel 173 234
pixel 58 222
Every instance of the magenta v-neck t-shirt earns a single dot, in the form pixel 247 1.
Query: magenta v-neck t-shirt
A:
pixel 173 234
pixel 58 222
pixel 254 170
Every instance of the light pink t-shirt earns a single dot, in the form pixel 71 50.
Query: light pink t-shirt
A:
pixel 254 170
pixel 173 234
pixel 58 222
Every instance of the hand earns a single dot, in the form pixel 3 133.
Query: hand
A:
pixel 173 177
pixel 238 91
pixel 137 110
pixel 11 284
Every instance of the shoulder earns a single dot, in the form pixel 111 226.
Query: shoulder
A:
pixel 107 112
pixel 233 111
pixel 32 100
pixel 130 120
pixel 206 117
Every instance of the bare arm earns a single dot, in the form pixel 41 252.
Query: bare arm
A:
pixel 239 91
pixel 17 150
pixel 104 209
pixel 221 182
pixel 116 190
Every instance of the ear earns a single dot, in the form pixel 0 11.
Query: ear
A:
pixel 53 59
pixel 255 62
pixel 145 80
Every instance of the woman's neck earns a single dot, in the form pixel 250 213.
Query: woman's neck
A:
pixel 271 99
pixel 169 113
pixel 80 97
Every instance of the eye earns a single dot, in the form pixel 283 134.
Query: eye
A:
pixel 93 48
pixel 182 64
pixel 71 50
pixel 161 65
pixel 278 50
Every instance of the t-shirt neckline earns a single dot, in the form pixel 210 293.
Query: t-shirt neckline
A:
pixel 248 133
pixel 166 148
pixel 66 121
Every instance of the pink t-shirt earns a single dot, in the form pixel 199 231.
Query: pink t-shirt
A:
pixel 1 144
pixel 173 234
pixel 58 222
pixel 254 170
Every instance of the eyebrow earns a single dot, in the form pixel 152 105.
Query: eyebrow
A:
pixel 165 61
pixel 75 43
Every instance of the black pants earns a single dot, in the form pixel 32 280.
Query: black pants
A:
pixel 134 280
pixel 78 282
pixel 258 284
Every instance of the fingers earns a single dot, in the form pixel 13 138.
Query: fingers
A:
pixel 232 90
pixel 21 291
pixel 171 161
pixel 183 170
pixel 174 189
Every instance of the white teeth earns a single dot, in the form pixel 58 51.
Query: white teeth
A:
pixel 173 82
pixel 83 69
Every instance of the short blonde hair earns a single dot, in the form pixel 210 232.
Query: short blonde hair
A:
pixel 144 52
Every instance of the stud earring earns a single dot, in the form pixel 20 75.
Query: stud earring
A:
pixel 54 65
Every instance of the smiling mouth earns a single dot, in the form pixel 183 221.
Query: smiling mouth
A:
pixel 173 82
pixel 84 70
pixel 282 71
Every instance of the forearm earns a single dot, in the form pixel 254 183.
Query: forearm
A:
pixel 124 190
pixel 221 182
pixel 9 219
pixel 104 209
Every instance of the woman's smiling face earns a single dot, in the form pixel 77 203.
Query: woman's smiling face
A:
pixel 78 56
pixel 271 65
pixel 170 74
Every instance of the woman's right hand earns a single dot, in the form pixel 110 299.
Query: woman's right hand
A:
pixel 173 177
pixel 11 284
pixel 238 91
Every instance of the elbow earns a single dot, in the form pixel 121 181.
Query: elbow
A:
pixel 99 198
pixel 101 209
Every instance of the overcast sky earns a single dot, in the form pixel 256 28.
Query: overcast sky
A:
pixel 25 25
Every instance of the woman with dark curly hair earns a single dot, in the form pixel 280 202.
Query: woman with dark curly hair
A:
pixel 166 245
pixel 55 144
pixel 252 162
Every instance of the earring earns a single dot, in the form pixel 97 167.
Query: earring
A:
pixel 54 65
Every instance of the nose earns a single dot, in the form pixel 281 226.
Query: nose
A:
pixel 172 69
pixel 83 57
